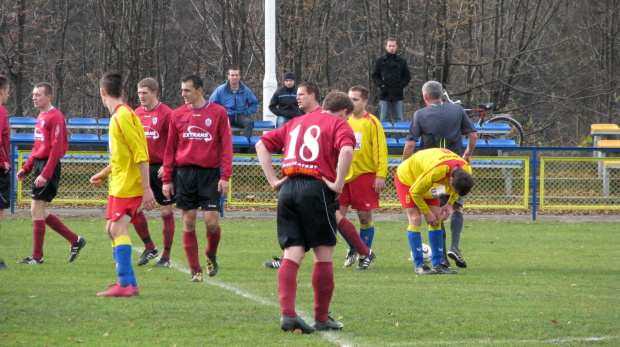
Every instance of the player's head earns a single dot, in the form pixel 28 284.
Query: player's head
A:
pixel 289 79
pixel 42 95
pixel 234 75
pixel 462 181
pixel 4 89
pixel 432 91
pixel 390 45
pixel 111 85
pixel 359 97
pixel 308 96
pixel 192 89
pixel 148 90
pixel 338 103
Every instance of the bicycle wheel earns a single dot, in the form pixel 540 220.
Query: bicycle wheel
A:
pixel 516 130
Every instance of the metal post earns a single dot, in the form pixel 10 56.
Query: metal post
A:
pixel 270 83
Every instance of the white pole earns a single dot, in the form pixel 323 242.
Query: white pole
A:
pixel 270 83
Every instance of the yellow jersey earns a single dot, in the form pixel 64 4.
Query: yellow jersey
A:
pixel 370 152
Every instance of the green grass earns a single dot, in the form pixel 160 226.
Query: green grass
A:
pixel 527 284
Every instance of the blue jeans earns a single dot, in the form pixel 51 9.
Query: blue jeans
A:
pixel 281 121
pixel 397 110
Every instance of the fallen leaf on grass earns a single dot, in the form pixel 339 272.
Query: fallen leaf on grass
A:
pixel 33 296
pixel 106 334
pixel 554 321
pixel 133 325
pixel 396 324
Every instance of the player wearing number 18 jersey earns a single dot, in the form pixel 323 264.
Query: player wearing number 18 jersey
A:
pixel 314 146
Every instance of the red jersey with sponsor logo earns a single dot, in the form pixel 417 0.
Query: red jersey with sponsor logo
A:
pixel 155 123
pixel 50 141
pixel 5 137
pixel 311 144
pixel 200 137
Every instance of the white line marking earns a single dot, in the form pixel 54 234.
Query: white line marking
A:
pixel 330 336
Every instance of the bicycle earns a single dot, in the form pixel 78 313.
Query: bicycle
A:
pixel 516 132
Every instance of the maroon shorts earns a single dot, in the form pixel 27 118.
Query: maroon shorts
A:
pixel 406 201
pixel 118 207
pixel 360 194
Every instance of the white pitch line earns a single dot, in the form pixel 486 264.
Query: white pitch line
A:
pixel 330 336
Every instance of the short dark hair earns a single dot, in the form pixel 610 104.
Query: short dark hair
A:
pixel 112 83
pixel 234 68
pixel 150 83
pixel 47 88
pixel 311 88
pixel 337 101
pixel 390 39
pixel 197 81
pixel 362 90
pixel 462 181
pixel 4 82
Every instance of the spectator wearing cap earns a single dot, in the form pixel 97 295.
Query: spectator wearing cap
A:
pixel 284 101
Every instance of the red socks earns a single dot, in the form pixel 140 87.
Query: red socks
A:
pixel 38 234
pixel 59 227
pixel 350 233
pixel 190 243
pixel 213 240
pixel 287 286
pixel 323 284
pixel 168 234
pixel 142 228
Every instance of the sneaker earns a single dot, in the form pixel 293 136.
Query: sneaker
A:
pixel 135 290
pixel 30 260
pixel 147 255
pixel 117 291
pixel 443 269
pixel 456 255
pixel 351 257
pixel 163 262
pixel 212 266
pixel 329 324
pixel 275 264
pixel 76 248
pixel 290 324
pixel 424 270
pixel 196 277
pixel 365 263
pixel 3 266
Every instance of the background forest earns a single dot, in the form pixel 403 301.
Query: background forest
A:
pixel 552 64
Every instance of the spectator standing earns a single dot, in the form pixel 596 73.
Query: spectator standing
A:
pixel 50 144
pixel 391 74
pixel 284 101
pixel 239 101
pixel 5 157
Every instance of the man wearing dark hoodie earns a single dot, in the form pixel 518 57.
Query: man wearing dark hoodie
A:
pixel 391 75
pixel 284 101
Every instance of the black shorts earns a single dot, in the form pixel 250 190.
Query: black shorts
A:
pixel 5 189
pixel 306 213
pixel 47 192
pixel 197 187
pixel 157 185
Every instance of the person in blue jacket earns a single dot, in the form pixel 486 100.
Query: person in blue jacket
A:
pixel 239 101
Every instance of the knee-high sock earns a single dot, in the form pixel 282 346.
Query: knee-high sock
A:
pixel 287 286
pixel 124 269
pixel 38 236
pixel 190 243
pixel 213 240
pixel 348 231
pixel 444 257
pixel 367 233
pixel 345 239
pixel 168 234
pixel 323 284
pixel 58 226
pixel 415 243
pixel 435 238
pixel 142 228
pixel 456 226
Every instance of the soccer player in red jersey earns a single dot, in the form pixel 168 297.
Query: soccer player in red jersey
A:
pixel 155 117
pixel 129 186
pixel 50 144
pixel 200 145
pixel 314 146
pixel 5 158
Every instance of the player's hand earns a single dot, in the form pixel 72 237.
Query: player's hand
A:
pixel 467 158
pixel 7 167
pixel 278 184
pixel 379 184
pixel 168 190
pixel 21 175
pixel 446 211
pixel 336 188
pixel 223 186
pixel 160 172
pixel 40 181
pixel 97 180
pixel 431 219
pixel 148 199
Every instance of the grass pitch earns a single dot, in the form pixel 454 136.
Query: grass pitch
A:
pixel 529 284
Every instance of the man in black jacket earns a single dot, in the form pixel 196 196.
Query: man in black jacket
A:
pixel 284 101
pixel 391 75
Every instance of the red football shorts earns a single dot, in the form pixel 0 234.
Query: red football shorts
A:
pixel 360 194
pixel 118 207
pixel 406 201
